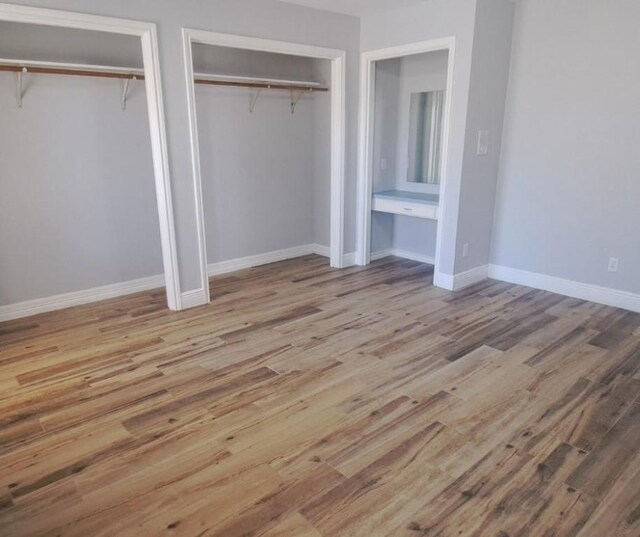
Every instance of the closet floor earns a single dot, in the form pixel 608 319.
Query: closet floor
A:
pixel 310 402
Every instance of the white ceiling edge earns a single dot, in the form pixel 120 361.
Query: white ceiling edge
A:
pixel 356 8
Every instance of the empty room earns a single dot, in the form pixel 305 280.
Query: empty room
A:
pixel 320 268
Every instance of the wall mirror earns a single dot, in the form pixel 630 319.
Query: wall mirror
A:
pixel 426 113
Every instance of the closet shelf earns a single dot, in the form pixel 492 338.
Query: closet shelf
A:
pixel 73 69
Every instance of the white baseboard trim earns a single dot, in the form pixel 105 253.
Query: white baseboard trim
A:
pixel 455 282
pixel 198 297
pixel 320 249
pixel 193 299
pixel 241 263
pixel 77 298
pixel 405 254
pixel 442 280
pixel 349 260
pixel 470 277
pixel 583 291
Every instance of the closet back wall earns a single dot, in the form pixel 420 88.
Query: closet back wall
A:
pixel 265 174
pixel 77 197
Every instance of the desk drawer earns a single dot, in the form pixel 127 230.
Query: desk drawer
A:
pixel 406 208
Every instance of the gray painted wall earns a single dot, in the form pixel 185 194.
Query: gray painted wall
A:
pixel 47 43
pixel 482 29
pixel 423 22
pixel 487 97
pixel 321 105
pixel 385 145
pixel 569 179
pixel 260 18
pixel 262 171
pixel 67 163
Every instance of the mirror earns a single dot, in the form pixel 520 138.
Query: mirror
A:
pixel 425 137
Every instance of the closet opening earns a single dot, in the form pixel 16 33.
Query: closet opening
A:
pixel 267 123
pixel 404 129
pixel 85 208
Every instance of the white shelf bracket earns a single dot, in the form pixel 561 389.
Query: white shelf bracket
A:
pixel 125 91
pixel 295 99
pixel 19 90
pixel 253 99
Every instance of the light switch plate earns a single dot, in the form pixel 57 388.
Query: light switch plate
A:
pixel 483 142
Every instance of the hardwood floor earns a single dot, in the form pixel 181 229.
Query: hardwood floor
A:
pixel 307 402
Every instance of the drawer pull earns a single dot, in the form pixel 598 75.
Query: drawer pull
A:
pixel 407 209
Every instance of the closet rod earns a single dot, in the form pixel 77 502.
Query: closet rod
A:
pixel 71 69
pixel 71 72
pixel 261 85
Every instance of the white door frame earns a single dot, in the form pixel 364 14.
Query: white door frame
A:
pixel 365 141
pixel 337 94
pixel 149 42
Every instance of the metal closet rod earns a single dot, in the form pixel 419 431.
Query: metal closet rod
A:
pixel 138 74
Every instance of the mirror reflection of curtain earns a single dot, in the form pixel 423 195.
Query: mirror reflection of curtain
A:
pixel 425 137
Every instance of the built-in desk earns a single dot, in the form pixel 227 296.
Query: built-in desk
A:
pixel 407 203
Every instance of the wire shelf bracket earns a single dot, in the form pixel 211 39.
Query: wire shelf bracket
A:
pixel 253 98
pixel 295 99
pixel 125 90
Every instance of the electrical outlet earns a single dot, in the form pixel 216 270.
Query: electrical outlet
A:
pixel 613 264
pixel 465 249
pixel 383 163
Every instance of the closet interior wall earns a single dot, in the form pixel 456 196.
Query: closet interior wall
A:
pixel 395 80
pixel 266 172
pixel 77 195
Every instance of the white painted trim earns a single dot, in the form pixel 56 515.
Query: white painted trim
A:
pixel 206 37
pixel 365 139
pixel 241 263
pixel 469 277
pixel 583 291
pixel 349 260
pixel 381 254
pixel 455 282
pixel 321 250
pixel 338 119
pixel 404 254
pixel 195 165
pixel 149 43
pixel 77 298
pixel 195 298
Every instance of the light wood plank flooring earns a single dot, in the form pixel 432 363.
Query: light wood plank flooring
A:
pixel 307 402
